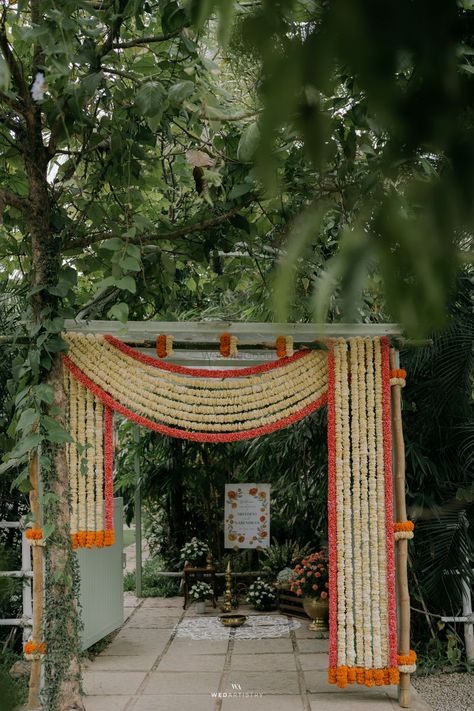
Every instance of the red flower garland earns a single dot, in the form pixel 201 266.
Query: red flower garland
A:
pixel 387 432
pixel 204 372
pixel 332 532
pixel 109 474
pixel 109 402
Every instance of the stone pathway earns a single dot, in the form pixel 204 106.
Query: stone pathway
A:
pixel 146 668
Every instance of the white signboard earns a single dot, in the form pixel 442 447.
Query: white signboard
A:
pixel 247 515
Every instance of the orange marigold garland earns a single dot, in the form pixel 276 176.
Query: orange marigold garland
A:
pixel 398 376
pixel 228 345
pixel 403 529
pixel 407 662
pixel 34 535
pixel 34 650
pixel 164 345
pixel 284 346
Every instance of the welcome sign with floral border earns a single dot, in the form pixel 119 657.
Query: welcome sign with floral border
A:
pixel 247 515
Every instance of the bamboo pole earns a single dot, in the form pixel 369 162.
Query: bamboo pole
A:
pixel 38 585
pixel 402 544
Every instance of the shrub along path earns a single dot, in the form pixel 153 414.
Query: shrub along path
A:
pixel 147 668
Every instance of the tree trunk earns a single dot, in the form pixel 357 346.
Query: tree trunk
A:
pixel 61 617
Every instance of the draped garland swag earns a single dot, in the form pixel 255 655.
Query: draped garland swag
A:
pixel 103 375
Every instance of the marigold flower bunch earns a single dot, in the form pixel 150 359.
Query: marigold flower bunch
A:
pixel 310 578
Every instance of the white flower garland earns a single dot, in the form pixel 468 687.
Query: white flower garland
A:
pixel 356 504
pixel 382 553
pixel 364 494
pixel 346 488
pixel 340 547
pixel 73 459
pixel 81 440
pixel 374 532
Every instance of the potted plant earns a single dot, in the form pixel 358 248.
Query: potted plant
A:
pixel 200 592
pixel 261 595
pixel 310 580
pixel 194 552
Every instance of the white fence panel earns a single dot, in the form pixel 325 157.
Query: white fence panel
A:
pixel 101 571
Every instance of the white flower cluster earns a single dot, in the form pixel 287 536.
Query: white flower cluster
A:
pixel 201 591
pixel 194 551
pixel 261 595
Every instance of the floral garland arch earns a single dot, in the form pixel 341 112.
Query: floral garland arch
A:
pixel 103 375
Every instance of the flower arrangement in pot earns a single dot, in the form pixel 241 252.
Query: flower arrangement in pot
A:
pixel 194 552
pixel 200 592
pixel 261 595
pixel 310 580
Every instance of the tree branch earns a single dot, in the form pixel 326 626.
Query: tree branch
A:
pixel 82 242
pixel 147 40
pixel 9 198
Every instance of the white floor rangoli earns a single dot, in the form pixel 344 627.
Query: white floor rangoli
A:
pixel 255 627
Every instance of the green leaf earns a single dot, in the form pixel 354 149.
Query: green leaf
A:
pixel 28 443
pixel 54 431
pixel 127 283
pixel 130 263
pixel 240 222
pixel 48 529
pixel 119 311
pixel 113 243
pixel 27 419
pixel 44 393
pixel 181 91
pixel 248 143
pixel 4 75
pixel 149 98
pixel 173 17
pixel 239 190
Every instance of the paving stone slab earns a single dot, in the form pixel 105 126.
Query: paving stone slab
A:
pixel 118 683
pixel 311 646
pixel 304 633
pixel 131 600
pixel 265 682
pixel 157 602
pixel 267 703
pixel 172 611
pixel 141 620
pixel 194 646
pixel 281 645
pixel 192 662
pixel 124 662
pixel 182 682
pixel 340 701
pixel 314 662
pixel 106 703
pixel 143 645
pixel 174 702
pixel 263 662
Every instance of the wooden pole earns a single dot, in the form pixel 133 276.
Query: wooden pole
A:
pixel 38 585
pixel 402 544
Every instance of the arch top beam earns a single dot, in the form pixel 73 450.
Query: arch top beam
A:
pixel 248 333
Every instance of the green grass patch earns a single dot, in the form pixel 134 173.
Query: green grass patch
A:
pixel 153 585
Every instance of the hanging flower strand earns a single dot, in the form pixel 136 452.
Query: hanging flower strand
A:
pixel 228 346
